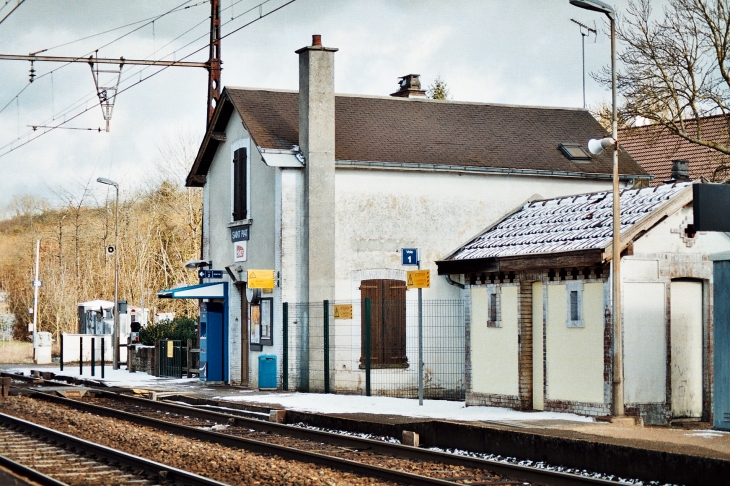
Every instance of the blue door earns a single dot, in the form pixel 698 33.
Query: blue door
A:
pixel 214 344
pixel 721 319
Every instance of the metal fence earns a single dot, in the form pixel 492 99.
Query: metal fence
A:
pixel 170 357
pixel 370 347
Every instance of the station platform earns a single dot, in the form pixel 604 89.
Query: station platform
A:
pixel 555 438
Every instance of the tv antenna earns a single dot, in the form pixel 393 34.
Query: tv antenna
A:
pixel 585 31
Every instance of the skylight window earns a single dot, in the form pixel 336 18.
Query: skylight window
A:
pixel 574 151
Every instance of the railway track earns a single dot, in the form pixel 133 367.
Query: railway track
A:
pixel 48 457
pixel 361 456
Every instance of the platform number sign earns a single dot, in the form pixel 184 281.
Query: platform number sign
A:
pixel 409 256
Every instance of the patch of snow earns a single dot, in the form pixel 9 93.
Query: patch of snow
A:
pixel 120 377
pixel 707 434
pixel 437 409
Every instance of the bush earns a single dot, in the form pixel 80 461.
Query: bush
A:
pixel 181 328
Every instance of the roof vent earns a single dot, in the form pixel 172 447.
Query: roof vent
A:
pixel 410 87
pixel 573 151
pixel 680 170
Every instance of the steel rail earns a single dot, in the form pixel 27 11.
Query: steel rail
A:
pixel 27 473
pixel 103 60
pixel 514 471
pixel 177 475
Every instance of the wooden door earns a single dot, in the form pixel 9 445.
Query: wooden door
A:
pixel 387 321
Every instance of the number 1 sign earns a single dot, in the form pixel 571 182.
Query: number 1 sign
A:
pixel 409 256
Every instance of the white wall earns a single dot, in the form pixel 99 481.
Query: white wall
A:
pixel 494 350
pixel 645 343
pixel 378 212
pixel 686 339
pixel 575 354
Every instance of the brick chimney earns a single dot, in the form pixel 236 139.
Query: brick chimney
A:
pixel 410 87
pixel 680 170
pixel 317 143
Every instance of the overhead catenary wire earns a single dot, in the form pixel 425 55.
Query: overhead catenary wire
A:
pixel 66 120
pixel 177 8
pixel 91 96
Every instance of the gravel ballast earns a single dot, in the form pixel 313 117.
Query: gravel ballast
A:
pixel 225 464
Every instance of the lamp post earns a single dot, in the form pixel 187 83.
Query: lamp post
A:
pixel 115 333
pixel 596 147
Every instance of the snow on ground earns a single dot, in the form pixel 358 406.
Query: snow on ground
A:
pixel 436 409
pixel 120 377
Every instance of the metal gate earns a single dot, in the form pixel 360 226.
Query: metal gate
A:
pixel 170 358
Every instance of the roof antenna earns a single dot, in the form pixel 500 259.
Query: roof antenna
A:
pixel 585 31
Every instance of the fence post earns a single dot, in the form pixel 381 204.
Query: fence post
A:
pixel 93 357
pixel 81 355
pixel 326 304
pixel 190 358
pixel 156 360
pixel 367 346
pixel 285 344
pixel 61 352
pixel 102 358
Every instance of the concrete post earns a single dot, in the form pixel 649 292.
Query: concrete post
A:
pixel 317 143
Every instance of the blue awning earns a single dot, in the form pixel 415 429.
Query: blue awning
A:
pixel 214 290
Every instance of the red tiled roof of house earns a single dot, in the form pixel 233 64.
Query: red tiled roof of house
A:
pixel 654 148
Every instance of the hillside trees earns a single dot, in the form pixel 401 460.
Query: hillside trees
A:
pixel 159 229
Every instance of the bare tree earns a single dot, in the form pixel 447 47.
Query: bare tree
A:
pixel 675 68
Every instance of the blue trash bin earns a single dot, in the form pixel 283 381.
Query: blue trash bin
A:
pixel 267 371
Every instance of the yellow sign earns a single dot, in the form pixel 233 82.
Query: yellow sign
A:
pixel 170 350
pixel 260 279
pixel 343 311
pixel 418 279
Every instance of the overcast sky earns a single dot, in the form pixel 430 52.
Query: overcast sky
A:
pixel 524 52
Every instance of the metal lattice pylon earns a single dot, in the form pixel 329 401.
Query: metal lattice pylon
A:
pixel 106 90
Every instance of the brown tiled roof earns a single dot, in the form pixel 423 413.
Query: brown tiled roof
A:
pixel 654 147
pixel 420 131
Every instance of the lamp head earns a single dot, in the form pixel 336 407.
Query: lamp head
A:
pixel 596 146
pixel 596 6
pixel 193 264
pixel 106 181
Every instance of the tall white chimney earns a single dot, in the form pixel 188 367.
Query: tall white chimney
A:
pixel 317 143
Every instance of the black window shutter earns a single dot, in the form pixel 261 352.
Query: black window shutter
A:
pixel 240 211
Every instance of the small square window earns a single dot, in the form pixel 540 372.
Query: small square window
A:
pixel 574 152
pixel 575 304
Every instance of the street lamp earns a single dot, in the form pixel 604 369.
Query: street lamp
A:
pixel 115 333
pixel 596 147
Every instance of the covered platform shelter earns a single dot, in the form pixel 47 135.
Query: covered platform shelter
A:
pixel 213 327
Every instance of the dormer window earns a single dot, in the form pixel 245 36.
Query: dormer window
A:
pixel 574 151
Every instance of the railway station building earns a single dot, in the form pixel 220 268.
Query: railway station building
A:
pixel 325 189
pixel 539 298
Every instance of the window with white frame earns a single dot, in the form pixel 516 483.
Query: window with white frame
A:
pixel 574 291
pixel 493 315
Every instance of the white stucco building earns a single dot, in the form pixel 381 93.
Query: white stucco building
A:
pixel 326 189
pixel 539 290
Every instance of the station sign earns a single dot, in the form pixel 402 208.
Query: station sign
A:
pixel 210 273
pixel 418 279
pixel 409 256
pixel 261 279
pixel 343 311
pixel 240 233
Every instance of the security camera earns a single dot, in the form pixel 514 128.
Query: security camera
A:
pixel 193 264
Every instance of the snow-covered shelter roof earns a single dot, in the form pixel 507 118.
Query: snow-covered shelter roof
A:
pixel 569 224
